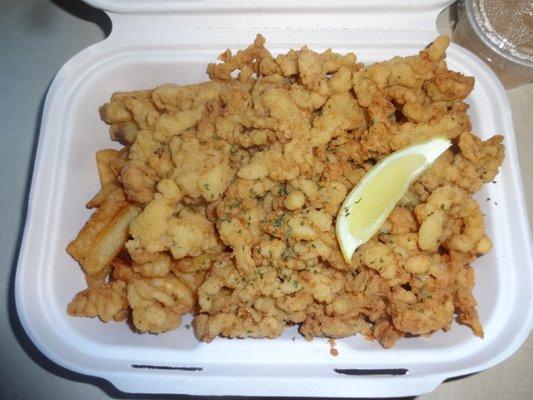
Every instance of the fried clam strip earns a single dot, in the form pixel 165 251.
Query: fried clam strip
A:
pixel 105 302
pixel 237 182
pixel 159 292
pixel 376 298
pixel 156 294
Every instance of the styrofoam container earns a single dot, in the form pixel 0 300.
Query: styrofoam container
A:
pixel 154 42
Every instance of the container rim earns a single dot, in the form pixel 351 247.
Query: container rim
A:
pixel 209 6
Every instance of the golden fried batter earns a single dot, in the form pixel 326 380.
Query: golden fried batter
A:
pixel 228 191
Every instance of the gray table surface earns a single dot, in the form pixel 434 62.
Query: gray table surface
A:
pixel 36 38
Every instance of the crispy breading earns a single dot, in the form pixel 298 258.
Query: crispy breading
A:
pixel 157 304
pixel 105 302
pixel 231 188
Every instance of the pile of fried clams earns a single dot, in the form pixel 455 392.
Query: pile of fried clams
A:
pixel 223 200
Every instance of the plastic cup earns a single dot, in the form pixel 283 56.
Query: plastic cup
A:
pixel 500 32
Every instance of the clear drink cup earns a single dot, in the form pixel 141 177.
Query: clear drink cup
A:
pixel 500 32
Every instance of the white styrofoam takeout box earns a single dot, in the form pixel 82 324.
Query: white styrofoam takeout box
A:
pixel 154 42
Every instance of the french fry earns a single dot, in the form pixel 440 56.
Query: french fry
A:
pixel 99 198
pixel 98 279
pixel 108 179
pixel 104 158
pixel 104 234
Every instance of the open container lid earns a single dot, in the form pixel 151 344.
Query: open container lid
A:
pixel 140 29
pixel 197 19
pixel 159 6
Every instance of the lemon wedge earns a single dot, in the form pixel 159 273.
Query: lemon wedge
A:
pixel 371 201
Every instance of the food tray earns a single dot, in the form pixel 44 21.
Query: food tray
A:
pixel 154 42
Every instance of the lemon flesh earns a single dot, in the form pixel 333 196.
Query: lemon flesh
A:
pixel 371 201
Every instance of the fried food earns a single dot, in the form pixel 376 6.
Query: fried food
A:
pixel 104 234
pixel 223 200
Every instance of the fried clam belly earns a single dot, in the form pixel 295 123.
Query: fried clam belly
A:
pixel 411 99
pixel 473 163
pixel 154 294
pixel 423 253
pixel 414 276
pixel 107 302
pixel 146 121
pixel 237 183
pixel 166 224
pixel 158 292
pixel 260 305
pixel 398 288
pixel 394 303
pixel 281 262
